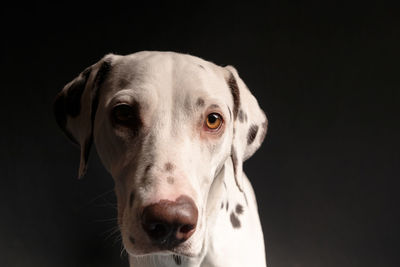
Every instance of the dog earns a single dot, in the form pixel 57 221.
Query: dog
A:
pixel 173 130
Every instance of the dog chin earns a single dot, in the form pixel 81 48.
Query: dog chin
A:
pixel 179 251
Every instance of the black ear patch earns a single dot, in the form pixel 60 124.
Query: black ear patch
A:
pixel 74 94
pixel 252 134
pixel 235 93
pixel 98 81
pixel 68 102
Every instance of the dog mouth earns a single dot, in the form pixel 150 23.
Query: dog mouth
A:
pixel 178 252
pixel 161 257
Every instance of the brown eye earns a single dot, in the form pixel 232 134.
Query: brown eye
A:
pixel 125 114
pixel 213 121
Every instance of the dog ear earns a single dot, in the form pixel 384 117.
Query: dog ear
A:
pixel 249 126
pixel 76 105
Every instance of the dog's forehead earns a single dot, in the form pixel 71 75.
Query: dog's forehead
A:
pixel 166 72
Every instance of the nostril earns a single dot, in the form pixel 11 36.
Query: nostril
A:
pixel 186 228
pixel 157 230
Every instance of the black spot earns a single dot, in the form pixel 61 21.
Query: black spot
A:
pixel 131 198
pixel 145 181
pixel 188 105
pixel 234 159
pixel 235 220
pixel 222 205
pixel 252 134
pixel 200 102
pixel 235 93
pixel 168 166
pixel 227 206
pixel 170 179
pixel 177 259
pixel 132 239
pixel 239 209
pixel 241 115
pixel 147 169
pixel 201 66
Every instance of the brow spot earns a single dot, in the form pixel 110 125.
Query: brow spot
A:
pixel 200 102
pixel 214 106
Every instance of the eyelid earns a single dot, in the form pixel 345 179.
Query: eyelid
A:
pixel 214 108
pixel 122 98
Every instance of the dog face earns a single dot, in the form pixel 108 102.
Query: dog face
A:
pixel 163 124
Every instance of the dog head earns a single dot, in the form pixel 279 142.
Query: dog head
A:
pixel 163 124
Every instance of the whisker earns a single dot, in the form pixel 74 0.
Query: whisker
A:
pixel 97 197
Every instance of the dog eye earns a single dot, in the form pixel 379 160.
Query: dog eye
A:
pixel 124 114
pixel 213 121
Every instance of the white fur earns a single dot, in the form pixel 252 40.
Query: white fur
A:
pixel 166 86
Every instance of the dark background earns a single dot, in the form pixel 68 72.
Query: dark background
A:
pixel 327 75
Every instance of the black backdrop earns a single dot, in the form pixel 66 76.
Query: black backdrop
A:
pixel 325 73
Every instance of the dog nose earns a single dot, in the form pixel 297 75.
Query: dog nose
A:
pixel 169 223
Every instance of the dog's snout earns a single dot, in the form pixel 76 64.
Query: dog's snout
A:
pixel 169 223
